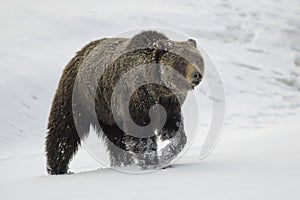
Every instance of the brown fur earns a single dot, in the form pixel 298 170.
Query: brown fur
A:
pixel 145 48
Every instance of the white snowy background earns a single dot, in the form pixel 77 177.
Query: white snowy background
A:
pixel 256 48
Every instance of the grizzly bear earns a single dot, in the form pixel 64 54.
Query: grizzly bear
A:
pixel 86 91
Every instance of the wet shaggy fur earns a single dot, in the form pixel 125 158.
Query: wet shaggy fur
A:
pixel 110 58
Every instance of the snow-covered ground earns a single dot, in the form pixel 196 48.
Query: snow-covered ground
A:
pixel 256 48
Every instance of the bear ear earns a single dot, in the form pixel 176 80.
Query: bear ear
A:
pixel 192 42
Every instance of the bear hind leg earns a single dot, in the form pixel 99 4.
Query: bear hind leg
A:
pixel 60 148
pixel 62 140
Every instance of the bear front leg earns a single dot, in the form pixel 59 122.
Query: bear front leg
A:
pixel 144 151
pixel 115 143
pixel 169 152
pixel 118 156
pixel 174 133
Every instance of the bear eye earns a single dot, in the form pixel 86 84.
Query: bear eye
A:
pixel 198 63
pixel 181 65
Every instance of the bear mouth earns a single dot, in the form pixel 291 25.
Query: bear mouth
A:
pixel 195 83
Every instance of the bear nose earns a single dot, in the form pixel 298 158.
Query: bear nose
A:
pixel 196 77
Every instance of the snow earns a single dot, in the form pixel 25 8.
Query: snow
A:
pixel 255 46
